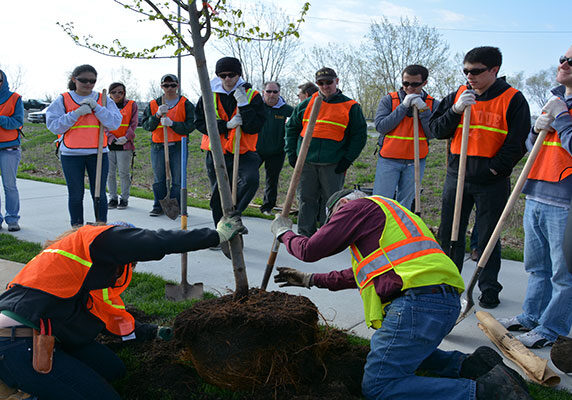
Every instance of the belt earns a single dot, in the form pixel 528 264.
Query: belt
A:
pixel 432 289
pixel 16 332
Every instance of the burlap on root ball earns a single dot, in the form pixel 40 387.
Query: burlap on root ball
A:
pixel 561 354
pixel 267 339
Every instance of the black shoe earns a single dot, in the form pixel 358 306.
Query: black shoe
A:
pixel 474 255
pixel 156 211
pixel 489 299
pixel 479 363
pixel 122 204
pixel 13 227
pixel 502 383
pixel 112 203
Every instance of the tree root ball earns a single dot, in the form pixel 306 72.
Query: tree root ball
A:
pixel 561 354
pixel 266 339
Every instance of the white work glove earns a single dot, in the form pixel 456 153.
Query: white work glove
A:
pixel 292 277
pixel 407 101
pixel 90 102
pixel 229 227
pixel 163 109
pixel 234 122
pixel 419 103
pixel 240 96
pixel 280 225
pixel 544 122
pixel 121 140
pixel 84 109
pixel 466 99
pixel 555 106
pixel 166 121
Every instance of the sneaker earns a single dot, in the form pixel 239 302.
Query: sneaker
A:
pixel 534 340
pixel 112 203
pixel 512 324
pixel 489 299
pixel 122 204
pixel 502 383
pixel 474 255
pixel 215 248
pixel 13 227
pixel 267 212
pixel 156 211
pixel 479 363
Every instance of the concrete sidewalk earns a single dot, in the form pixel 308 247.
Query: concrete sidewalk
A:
pixel 45 215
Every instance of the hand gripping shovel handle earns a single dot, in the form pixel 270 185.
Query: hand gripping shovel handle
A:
pixel 468 304
pixel 235 162
pixel 294 181
pixel 416 160
pixel 99 160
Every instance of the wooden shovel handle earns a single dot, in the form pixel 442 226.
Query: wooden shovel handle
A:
pixel 99 160
pixel 235 164
pixel 416 161
pixel 461 175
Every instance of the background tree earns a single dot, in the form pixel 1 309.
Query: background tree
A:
pixel 15 75
pixel 538 86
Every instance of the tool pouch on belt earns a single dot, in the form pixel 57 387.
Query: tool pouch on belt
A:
pixel 43 349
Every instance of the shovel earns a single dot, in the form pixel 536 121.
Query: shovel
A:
pixel 168 204
pixel 416 160
pixel 294 181
pixel 467 303
pixel 99 161
pixel 183 291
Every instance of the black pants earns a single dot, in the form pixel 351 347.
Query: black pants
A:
pixel 273 164
pixel 490 200
pixel 567 245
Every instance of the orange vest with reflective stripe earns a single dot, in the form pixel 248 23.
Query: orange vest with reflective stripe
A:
pixel 332 120
pixel 126 113
pixel 176 114
pixel 84 134
pixel 553 162
pixel 488 126
pixel 398 143
pixel 7 109
pixel 61 269
pixel 247 141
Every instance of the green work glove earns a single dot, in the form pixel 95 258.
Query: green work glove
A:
pixel 229 227
pixel 292 277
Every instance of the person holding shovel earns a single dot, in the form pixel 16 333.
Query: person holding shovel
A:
pixel 395 172
pixel 499 125
pixel 76 117
pixel 547 308
pixel 176 114
pixel 410 291
pixel 71 292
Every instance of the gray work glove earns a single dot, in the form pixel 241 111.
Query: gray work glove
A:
pixel 90 102
pixel 419 103
pixel 466 99
pixel 280 226
pixel 84 109
pixel 544 122
pixel 163 109
pixel 555 106
pixel 166 121
pixel 240 96
pixel 229 227
pixel 164 333
pixel 292 277
pixel 121 140
pixel 407 100
pixel 234 121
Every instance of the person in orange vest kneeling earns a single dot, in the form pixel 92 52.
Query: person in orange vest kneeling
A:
pixel 70 293
pixel 410 291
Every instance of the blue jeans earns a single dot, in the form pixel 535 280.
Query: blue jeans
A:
pixel 395 179
pixel 79 374
pixel 413 327
pixel 9 160
pixel 159 175
pixel 548 302
pixel 74 168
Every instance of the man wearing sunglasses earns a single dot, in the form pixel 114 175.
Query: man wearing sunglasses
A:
pixel 339 136
pixel 177 114
pixel 500 122
pixel 395 171
pixel 270 146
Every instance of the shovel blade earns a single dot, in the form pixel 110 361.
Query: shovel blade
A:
pixel 467 306
pixel 170 207
pixel 183 291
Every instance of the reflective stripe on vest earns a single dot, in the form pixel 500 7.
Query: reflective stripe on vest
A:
pixel 332 120
pixel 126 113
pixel 398 143
pixel 84 134
pixel 553 162
pixel 488 127
pixel 176 114
pixel 7 110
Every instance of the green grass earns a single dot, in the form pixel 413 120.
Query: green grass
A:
pixel 17 250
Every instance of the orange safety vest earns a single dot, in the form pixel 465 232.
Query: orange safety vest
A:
pixel 332 120
pixel 247 141
pixel 7 109
pixel 61 269
pixel 84 134
pixel 176 114
pixel 126 112
pixel 398 143
pixel 553 162
pixel 488 126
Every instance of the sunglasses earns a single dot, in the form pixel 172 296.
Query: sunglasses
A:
pixel 272 91
pixel 563 59
pixel 85 80
pixel 229 75
pixel 117 92
pixel 474 71
pixel 412 84
pixel 325 82
pixel 169 85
